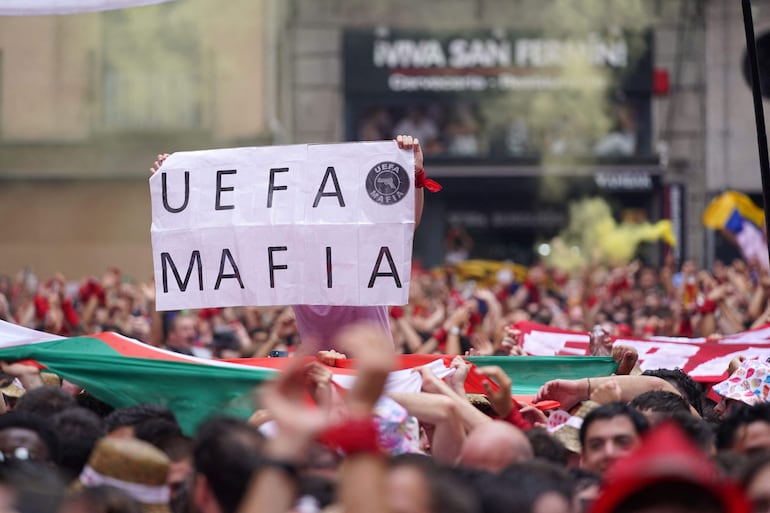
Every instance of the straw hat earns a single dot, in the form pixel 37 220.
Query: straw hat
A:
pixel 50 379
pixel 133 466
pixel 481 403
pixel 569 432
pixel 13 389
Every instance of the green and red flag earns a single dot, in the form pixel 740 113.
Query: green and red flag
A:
pixel 122 372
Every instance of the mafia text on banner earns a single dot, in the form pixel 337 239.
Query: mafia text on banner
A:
pixel 327 224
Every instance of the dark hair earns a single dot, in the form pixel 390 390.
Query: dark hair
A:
pixel 167 436
pixel 687 386
pixel 700 432
pixel 135 415
pixel 97 406
pixel 45 401
pixel 224 338
pixel 227 451
pixel 660 401
pixel 547 447
pixel 738 417
pixel 34 423
pixel 542 316
pixel 447 492
pixel 258 329
pixel 609 411
pixel 155 430
pixel 518 487
pixel 78 430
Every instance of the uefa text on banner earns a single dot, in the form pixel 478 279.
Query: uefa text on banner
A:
pixel 328 224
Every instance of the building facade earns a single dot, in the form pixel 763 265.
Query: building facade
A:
pixel 86 103
pixel 658 121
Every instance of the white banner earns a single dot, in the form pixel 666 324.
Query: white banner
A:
pixel 327 224
pixel 704 359
pixel 40 7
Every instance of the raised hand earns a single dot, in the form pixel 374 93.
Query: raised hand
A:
pixel 482 345
pixel 567 392
pixel 28 374
pixel 407 142
pixel 735 363
pixel 599 342
pixel 432 384
pixel 626 357
pixel 148 292
pixel 284 325
pixel 318 380
pixel 457 380
pixel 534 415
pixel 458 317
pixel 500 399
pixel 19 369
pixel 511 342
pixel 330 357
pixel 375 359
pixel 158 162
pixel 5 309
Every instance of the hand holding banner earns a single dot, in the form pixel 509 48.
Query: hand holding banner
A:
pixel 302 224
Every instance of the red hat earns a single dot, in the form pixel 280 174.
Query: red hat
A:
pixel 666 455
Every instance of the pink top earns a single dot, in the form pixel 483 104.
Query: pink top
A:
pixel 322 322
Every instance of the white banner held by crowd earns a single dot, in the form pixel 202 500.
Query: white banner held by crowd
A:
pixel 328 224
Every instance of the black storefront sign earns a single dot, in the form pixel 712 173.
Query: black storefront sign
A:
pixel 383 61
pixel 479 94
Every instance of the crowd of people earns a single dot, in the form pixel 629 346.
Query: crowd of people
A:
pixel 448 312
pixel 628 442
pixel 437 450
pixel 461 129
pixel 457 134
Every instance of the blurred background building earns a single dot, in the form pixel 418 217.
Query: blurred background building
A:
pixel 521 105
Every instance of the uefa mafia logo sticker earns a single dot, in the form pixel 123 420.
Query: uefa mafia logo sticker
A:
pixel 387 183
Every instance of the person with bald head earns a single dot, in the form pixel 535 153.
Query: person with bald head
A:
pixel 494 446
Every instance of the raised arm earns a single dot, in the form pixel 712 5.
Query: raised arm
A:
pixel 569 392
pixel 407 142
pixel 158 162
pixel 442 412
pixel 362 476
